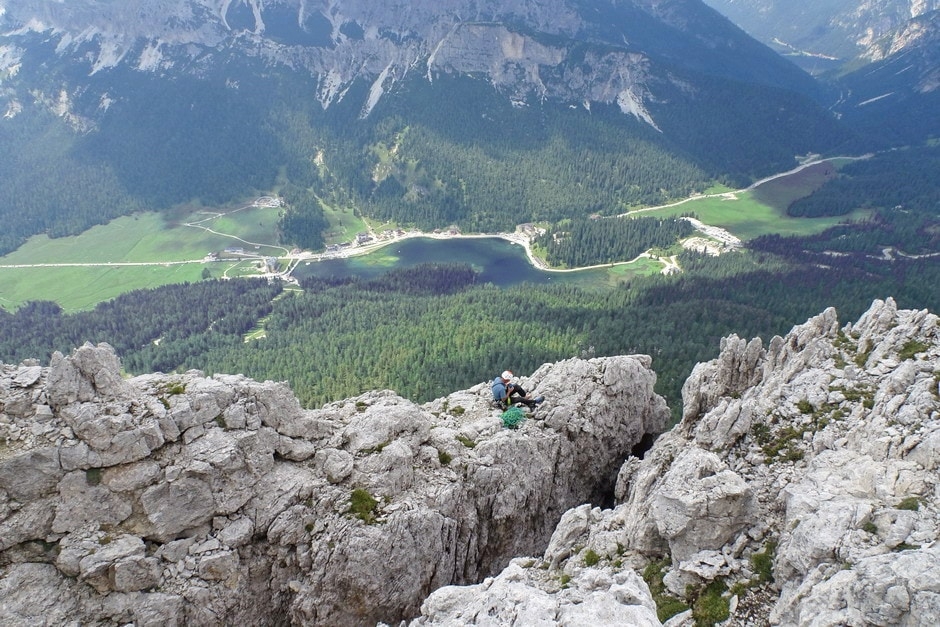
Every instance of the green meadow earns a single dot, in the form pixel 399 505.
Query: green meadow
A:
pixel 344 224
pixel 76 289
pixel 644 266
pixel 763 210
pixel 152 238
pixel 141 238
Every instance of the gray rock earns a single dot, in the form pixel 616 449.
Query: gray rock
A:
pixel 337 464
pixel 84 503
pixel 827 451
pixel 91 373
pixel 32 474
pixel 135 573
pixel 893 589
pixel 521 596
pixel 700 504
pixel 234 505
pixel 98 567
pixel 37 594
pixel 219 566
pixel 175 507
pixel 27 376
pixel 241 494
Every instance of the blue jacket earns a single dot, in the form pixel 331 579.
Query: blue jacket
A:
pixel 500 390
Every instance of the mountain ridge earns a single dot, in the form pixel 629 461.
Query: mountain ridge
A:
pixel 836 31
pixel 383 46
pixel 181 106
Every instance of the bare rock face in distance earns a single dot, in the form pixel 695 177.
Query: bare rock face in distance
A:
pixel 181 499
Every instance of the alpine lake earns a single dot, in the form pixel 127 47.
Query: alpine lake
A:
pixel 496 260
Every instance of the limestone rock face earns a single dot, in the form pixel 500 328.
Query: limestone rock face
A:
pixel 523 595
pixel 700 504
pixel 804 472
pixel 181 499
pixel 802 475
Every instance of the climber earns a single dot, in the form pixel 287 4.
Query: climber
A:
pixel 506 393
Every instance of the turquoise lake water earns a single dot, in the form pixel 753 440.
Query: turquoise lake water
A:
pixel 498 261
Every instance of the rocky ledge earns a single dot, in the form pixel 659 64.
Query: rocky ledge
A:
pixel 182 499
pixel 800 488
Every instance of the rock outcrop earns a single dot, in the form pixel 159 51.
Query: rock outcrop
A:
pixel 181 499
pixel 800 488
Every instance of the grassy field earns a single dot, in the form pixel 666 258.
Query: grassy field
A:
pixel 142 238
pixel 77 289
pixel 763 210
pixel 641 267
pixel 150 238
pixel 344 224
pixel 748 218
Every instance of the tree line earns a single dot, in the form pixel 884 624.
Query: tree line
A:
pixel 210 143
pixel 427 331
pixel 904 179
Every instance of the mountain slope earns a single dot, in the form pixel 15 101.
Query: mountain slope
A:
pixel 212 501
pixel 357 39
pixel 799 489
pixel 898 94
pixel 824 34
pixel 803 475
pixel 420 112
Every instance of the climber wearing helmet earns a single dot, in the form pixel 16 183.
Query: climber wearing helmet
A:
pixel 506 393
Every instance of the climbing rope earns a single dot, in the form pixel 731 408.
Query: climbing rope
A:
pixel 513 417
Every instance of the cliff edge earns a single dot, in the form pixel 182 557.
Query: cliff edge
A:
pixel 800 488
pixel 181 499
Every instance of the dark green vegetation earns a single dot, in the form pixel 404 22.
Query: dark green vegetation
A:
pixel 302 224
pixel 161 328
pixel 363 505
pixel 902 188
pixel 667 605
pixel 430 330
pixel 763 563
pixel 587 242
pixel 711 605
pixel 904 179
pixel 165 142
pixel 427 331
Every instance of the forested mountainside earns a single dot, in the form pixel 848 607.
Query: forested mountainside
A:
pixel 881 57
pixel 555 109
pixel 429 330
pixel 485 115
pixel 895 94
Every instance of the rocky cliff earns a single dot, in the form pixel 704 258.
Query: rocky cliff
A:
pixel 181 499
pixel 800 488
pixel 623 53
pixel 829 30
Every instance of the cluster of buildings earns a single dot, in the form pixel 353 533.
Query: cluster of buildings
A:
pixel 364 238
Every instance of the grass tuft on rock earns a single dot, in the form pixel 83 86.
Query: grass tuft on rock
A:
pixel 363 506
pixel 667 605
